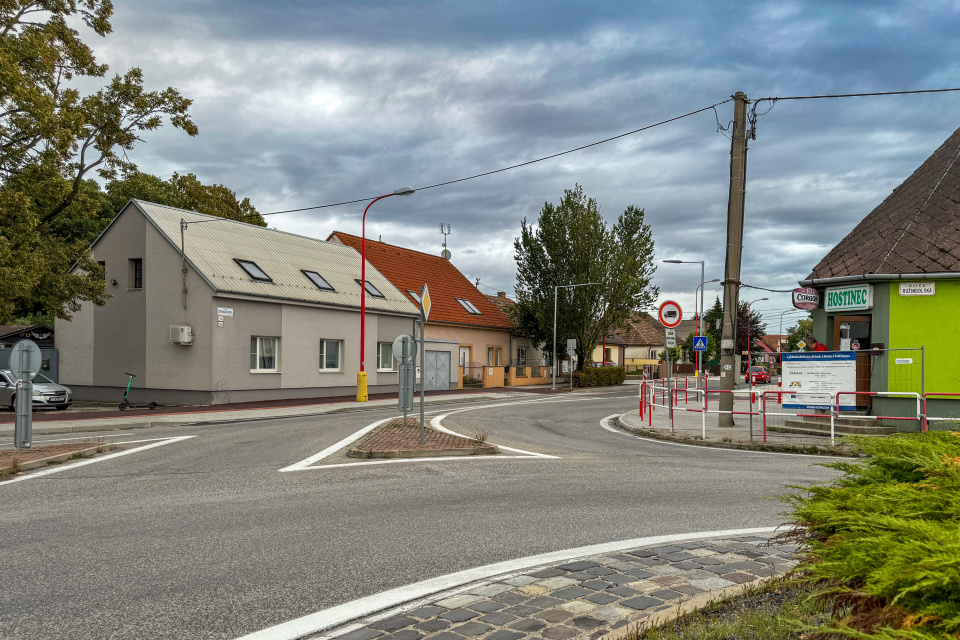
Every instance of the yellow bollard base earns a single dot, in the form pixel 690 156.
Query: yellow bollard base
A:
pixel 362 387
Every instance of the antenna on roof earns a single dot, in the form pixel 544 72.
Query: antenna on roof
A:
pixel 445 253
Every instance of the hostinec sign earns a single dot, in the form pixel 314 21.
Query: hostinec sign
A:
pixel 806 298
pixel 858 297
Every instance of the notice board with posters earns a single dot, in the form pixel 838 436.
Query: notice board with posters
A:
pixel 823 372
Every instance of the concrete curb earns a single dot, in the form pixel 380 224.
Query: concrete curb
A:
pixel 120 424
pixel 423 453
pixel 61 457
pixel 655 434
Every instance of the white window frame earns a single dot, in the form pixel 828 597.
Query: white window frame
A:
pixel 394 365
pixel 322 359
pixel 256 351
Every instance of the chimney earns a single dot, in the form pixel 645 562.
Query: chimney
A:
pixel 501 294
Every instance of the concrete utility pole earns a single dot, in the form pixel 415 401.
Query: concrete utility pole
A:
pixel 731 283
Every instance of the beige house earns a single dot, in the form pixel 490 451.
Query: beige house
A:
pixel 245 313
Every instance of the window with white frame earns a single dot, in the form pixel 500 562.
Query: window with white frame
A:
pixel 264 353
pixel 330 355
pixel 385 361
pixel 318 280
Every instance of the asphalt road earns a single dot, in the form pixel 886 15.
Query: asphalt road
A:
pixel 205 538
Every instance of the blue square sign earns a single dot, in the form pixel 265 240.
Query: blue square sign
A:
pixel 700 343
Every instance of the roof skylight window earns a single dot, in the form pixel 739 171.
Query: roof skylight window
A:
pixel 318 280
pixel 466 304
pixel 253 270
pixel 372 290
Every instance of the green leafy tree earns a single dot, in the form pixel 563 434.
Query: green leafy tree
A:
pixel 749 317
pixel 572 244
pixel 675 354
pixel 53 141
pixel 712 322
pixel 799 332
pixel 182 191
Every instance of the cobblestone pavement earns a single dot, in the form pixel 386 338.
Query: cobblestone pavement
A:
pixel 583 599
pixel 396 436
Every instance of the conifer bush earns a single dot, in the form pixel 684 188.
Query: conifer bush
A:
pixel 883 540
pixel 599 376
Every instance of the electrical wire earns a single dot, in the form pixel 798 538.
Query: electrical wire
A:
pixel 502 169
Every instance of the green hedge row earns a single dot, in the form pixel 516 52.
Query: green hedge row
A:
pixel 599 376
pixel 884 539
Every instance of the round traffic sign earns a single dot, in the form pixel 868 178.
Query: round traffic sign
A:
pixel 404 347
pixel 670 314
pixel 25 360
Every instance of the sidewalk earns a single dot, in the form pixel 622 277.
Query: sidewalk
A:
pixel 582 599
pixel 53 423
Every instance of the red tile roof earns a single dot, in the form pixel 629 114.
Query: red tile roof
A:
pixel 641 329
pixel 916 229
pixel 408 270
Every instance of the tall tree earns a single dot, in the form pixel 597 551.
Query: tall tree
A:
pixel 572 244
pixel 53 140
pixel 182 191
pixel 799 332
pixel 747 317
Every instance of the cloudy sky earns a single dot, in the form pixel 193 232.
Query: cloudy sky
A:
pixel 305 102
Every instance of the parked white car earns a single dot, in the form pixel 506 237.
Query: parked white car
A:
pixel 46 392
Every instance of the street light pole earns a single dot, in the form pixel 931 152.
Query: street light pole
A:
pixel 749 345
pixel 362 395
pixel 701 289
pixel 555 290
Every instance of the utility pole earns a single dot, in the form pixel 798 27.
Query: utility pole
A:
pixel 731 283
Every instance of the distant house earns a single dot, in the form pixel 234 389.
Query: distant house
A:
pixel 245 313
pixel 40 334
pixel 473 328
pixel 642 340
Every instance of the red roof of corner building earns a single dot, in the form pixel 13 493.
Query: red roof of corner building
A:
pixel 408 270
pixel 773 341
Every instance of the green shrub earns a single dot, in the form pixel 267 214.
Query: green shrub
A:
pixel 884 539
pixel 599 376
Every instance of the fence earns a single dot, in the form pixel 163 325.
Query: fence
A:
pixel 769 418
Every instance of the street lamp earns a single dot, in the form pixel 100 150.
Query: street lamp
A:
pixel 750 346
pixel 555 290
pixel 362 374
pixel 780 335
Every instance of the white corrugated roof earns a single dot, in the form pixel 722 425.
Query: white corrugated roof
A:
pixel 213 245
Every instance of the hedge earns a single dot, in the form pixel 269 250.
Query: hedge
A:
pixel 884 540
pixel 599 376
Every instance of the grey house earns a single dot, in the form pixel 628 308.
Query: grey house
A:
pixel 244 314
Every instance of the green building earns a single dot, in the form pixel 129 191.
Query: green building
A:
pixel 891 290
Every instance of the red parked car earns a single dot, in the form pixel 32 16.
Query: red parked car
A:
pixel 758 375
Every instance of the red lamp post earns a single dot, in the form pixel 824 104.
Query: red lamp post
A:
pixel 362 395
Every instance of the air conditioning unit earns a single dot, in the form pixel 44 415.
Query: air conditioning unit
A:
pixel 181 334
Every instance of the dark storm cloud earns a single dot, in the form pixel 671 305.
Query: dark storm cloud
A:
pixel 302 103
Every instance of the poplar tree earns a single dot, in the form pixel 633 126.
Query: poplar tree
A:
pixel 571 243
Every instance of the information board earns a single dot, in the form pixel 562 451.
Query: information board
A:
pixel 823 372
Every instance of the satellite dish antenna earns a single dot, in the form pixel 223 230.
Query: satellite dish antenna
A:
pixel 445 254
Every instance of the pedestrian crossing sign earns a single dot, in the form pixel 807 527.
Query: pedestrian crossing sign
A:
pixel 700 343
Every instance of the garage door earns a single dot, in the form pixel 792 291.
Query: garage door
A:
pixel 437 370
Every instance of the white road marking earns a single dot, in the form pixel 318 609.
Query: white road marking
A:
pixel 605 423
pixel 336 616
pixel 305 463
pixel 83 463
pixel 434 459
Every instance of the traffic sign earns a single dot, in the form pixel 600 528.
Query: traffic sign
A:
pixel 671 342
pixel 700 343
pixel 801 345
pixel 571 345
pixel 671 333
pixel 425 302
pixel 25 360
pixel 404 349
pixel 670 314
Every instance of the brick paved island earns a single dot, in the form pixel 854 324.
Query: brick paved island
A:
pixel 395 439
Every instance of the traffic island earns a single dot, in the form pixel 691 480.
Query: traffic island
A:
pixel 396 439
pixel 13 462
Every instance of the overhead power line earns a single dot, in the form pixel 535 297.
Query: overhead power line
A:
pixel 860 95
